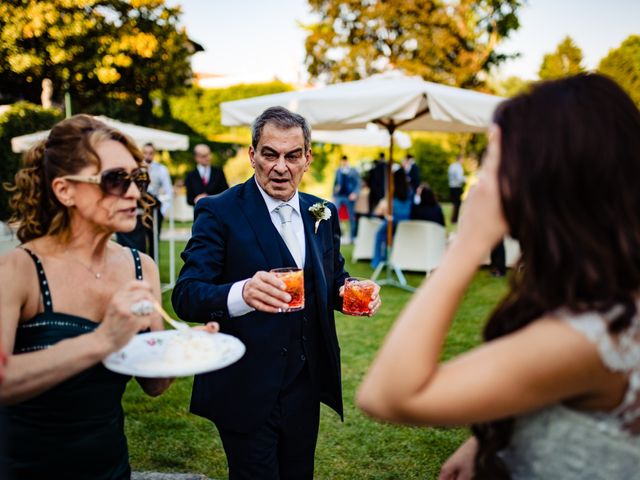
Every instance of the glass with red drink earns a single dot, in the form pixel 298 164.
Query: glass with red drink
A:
pixel 357 296
pixel 293 279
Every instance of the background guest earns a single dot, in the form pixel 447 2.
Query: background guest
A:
pixel 425 206
pixel 206 179
pixel 377 178
pixel 402 201
pixel 413 172
pixel 361 207
pixel 346 188
pixel 456 179
pixel 161 189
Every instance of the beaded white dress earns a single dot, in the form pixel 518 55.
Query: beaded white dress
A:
pixel 558 442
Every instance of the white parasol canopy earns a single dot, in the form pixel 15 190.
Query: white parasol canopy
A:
pixel 161 140
pixel 373 136
pixel 409 103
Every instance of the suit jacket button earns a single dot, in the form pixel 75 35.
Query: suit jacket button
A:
pixel 304 338
pixel 304 319
pixel 303 358
pixel 284 352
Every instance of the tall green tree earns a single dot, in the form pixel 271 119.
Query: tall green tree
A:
pixel 446 41
pixel 565 61
pixel 103 52
pixel 623 65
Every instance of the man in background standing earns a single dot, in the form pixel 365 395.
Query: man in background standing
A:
pixel 456 185
pixel 161 189
pixel 377 182
pixel 413 172
pixel 346 188
pixel 206 179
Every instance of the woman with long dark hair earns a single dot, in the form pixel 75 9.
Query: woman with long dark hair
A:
pixel 555 390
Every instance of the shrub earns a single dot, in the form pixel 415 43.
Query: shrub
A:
pixel 433 161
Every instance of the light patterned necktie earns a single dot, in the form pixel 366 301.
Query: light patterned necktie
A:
pixel 285 211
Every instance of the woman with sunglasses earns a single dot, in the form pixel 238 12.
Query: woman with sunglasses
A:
pixel 71 296
pixel 554 393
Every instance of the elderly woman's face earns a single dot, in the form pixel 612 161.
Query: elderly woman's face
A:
pixel 108 212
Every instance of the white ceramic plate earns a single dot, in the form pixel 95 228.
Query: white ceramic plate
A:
pixel 172 353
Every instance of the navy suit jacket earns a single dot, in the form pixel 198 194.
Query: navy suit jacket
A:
pixel 233 238
pixel 193 182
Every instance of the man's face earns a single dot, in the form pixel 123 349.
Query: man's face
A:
pixel 147 153
pixel 202 157
pixel 280 160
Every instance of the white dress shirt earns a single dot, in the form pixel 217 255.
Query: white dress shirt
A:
pixel 160 185
pixel 235 303
pixel 456 175
pixel 205 172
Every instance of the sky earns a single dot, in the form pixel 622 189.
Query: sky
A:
pixel 257 40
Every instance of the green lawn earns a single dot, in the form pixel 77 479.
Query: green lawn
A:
pixel 163 436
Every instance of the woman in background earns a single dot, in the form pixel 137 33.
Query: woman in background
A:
pixel 555 390
pixel 73 297
pixel 425 206
pixel 401 209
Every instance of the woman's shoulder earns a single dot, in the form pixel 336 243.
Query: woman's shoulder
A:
pixel 619 351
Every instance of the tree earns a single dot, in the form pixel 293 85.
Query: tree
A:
pixel 20 119
pixel 623 65
pixel 507 87
pixel 449 42
pixel 102 52
pixel 565 61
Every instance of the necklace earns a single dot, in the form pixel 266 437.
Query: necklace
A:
pixel 97 275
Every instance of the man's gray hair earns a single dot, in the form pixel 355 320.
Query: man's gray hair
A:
pixel 283 119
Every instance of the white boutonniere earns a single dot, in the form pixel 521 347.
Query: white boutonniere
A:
pixel 320 212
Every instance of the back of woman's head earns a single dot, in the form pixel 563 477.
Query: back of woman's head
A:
pixel 427 197
pixel 568 174
pixel 69 148
pixel 570 164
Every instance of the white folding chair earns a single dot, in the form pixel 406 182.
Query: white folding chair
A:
pixel 418 245
pixel 365 241
pixel 512 251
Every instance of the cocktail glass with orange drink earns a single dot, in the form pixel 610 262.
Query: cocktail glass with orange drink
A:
pixel 293 279
pixel 357 296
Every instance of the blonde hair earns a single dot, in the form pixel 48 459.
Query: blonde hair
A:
pixel 69 148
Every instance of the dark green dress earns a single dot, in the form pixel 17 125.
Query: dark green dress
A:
pixel 75 430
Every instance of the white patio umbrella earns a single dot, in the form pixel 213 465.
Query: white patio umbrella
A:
pixel 373 136
pixel 392 100
pixel 161 139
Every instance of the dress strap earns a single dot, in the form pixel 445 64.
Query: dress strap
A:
pixel 42 279
pixel 138 264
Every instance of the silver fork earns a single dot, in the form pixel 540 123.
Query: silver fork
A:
pixel 177 324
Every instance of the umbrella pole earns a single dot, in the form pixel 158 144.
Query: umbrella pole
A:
pixel 390 268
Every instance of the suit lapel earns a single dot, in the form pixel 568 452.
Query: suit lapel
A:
pixel 259 219
pixel 314 251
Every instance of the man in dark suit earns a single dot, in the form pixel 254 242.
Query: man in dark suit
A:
pixel 377 182
pixel 266 406
pixel 413 172
pixel 205 180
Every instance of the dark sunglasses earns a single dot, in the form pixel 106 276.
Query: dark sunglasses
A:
pixel 115 181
